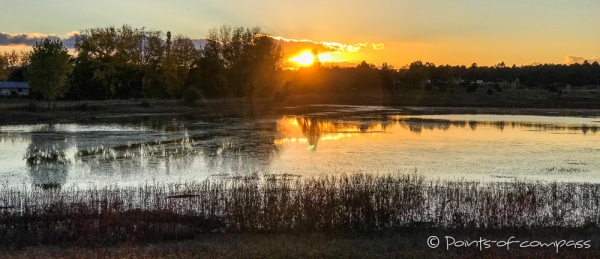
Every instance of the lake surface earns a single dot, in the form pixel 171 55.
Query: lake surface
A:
pixel 327 140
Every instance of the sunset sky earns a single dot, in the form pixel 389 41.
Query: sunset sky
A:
pixel 455 32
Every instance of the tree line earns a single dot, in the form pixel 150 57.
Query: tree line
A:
pixel 126 62
pixel 419 76
pixel 548 76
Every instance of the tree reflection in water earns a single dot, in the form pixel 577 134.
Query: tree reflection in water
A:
pixel 47 159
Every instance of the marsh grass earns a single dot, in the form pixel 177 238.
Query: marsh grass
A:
pixel 358 203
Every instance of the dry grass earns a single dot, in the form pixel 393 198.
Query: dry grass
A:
pixel 278 204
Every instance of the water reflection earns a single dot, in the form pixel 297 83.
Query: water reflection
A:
pixel 50 156
pixel 499 122
pixel 301 129
pixel 481 146
pixel 311 131
pixel 239 147
pixel 152 150
pixel 47 158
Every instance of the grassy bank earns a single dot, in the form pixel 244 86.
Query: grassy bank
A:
pixel 25 111
pixel 516 101
pixel 272 204
pixel 510 98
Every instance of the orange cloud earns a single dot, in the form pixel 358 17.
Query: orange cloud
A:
pixel 575 59
pixel 377 46
pixel 333 46
pixel 534 63
pixel 333 53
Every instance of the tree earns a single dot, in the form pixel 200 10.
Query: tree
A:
pixel 266 59
pixel 181 55
pixel 12 65
pixel 4 70
pixel 415 75
pixel 387 76
pixel 208 76
pixel 49 69
pixel 366 77
pixel 251 59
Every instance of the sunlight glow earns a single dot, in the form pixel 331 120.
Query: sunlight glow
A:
pixel 304 59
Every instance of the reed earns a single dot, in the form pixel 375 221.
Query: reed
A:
pixel 285 204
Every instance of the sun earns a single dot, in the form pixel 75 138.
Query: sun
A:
pixel 304 59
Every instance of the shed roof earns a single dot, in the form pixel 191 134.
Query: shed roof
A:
pixel 13 85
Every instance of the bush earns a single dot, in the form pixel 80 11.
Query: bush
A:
pixel 190 96
pixel 490 91
pixel 471 88
pixel 32 107
pixel 84 107
pixel 145 103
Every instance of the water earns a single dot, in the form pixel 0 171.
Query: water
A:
pixel 319 140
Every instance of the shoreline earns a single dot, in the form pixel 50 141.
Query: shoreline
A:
pixel 25 111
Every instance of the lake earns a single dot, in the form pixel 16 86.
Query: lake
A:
pixel 303 142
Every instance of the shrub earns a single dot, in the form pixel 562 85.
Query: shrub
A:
pixel 84 107
pixel 471 88
pixel 190 96
pixel 32 107
pixel 145 103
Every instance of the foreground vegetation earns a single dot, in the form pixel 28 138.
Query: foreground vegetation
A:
pixel 276 204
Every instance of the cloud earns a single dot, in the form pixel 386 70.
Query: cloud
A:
pixel 575 59
pixel 294 45
pixel 330 53
pixel 377 46
pixel 534 63
pixel 29 39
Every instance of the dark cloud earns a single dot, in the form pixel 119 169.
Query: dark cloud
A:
pixel 29 39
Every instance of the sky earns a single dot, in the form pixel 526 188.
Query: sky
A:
pixel 398 32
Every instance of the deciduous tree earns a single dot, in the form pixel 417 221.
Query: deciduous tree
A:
pixel 49 69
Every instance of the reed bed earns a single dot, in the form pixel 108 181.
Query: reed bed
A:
pixel 284 204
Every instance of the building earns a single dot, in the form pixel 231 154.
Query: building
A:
pixel 14 88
